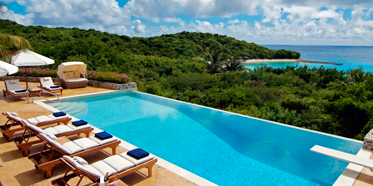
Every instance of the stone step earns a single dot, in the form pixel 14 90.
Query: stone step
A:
pixel 81 107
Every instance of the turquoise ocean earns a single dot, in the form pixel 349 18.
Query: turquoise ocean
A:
pixel 351 57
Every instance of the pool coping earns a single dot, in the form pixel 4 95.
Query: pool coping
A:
pixel 347 178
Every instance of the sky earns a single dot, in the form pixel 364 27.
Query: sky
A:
pixel 265 22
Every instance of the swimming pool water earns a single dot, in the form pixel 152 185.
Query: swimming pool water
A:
pixel 225 148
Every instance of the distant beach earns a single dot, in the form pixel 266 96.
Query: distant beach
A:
pixel 254 61
pixel 268 60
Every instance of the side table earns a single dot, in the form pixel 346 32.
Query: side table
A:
pixel 35 92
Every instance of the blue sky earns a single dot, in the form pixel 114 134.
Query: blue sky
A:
pixel 285 22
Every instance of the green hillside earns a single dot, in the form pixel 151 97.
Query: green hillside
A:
pixel 63 44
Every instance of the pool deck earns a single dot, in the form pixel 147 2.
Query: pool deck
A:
pixel 15 169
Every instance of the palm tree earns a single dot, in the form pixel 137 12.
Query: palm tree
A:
pixel 234 64
pixel 214 62
pixel 10 44
pixel 355 76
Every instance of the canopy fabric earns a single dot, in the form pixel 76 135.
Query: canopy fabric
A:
pixel 7 69
pixel 72 66
pixel 29 58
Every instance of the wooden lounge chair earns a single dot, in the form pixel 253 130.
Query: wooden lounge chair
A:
pixel 13 88
pixel 47 84
pixel 23 142
pixel 54 149
pixel 13 119
pixel 114 167
pixel 344 156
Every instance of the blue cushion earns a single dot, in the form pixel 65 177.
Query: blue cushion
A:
pixel 20 90
pixel 138 153
pixel 55 86
pixel 57 114
pixel 103 135
pixel 98 180
pixel 79 123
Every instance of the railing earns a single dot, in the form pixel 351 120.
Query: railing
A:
pixel 43 90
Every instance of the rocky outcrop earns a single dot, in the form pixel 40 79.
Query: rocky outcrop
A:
pixel 368 140
pixel 114 86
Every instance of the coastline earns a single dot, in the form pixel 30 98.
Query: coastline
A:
pixel 253 61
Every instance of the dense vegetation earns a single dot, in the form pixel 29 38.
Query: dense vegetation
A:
pixel 327 100
pixel 102 48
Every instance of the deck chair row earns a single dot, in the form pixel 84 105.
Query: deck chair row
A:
pixel 57 147
pixel 13 87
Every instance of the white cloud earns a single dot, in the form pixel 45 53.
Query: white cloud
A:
pixel 151 8
pixel 328 3
pixel 165 30
pixel 271 13
pixel 174 20
pixel 191 8
pixel 326 14
pixel 3 9
pixel 156 20
pixel 233 21
pixel 76 13
pixel 138 27
pixel 370 11
pixel 310 27
pixel 205 26
pixel 21 19
pixel 21 2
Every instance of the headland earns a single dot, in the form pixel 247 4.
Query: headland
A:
pixel 287 60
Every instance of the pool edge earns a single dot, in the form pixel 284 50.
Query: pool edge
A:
pixel 287 125
pixel 277 123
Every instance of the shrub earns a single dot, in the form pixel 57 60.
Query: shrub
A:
pixel 109 77
pixel 100 76
pixel 35 72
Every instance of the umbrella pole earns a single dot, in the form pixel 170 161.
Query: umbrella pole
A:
pixel 26 79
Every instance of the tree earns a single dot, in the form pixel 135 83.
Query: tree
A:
pixel 234 64
pixel 356 76
pixel 214 62
pixel 10 44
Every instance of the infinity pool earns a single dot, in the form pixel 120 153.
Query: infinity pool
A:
pixel 225 148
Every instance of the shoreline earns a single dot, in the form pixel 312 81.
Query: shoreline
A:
pixel 253 61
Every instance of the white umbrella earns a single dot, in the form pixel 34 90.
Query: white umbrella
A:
pixel 29 58
pixel 7 69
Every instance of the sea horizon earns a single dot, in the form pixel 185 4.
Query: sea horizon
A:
pixel 314 45
pixel 352 57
